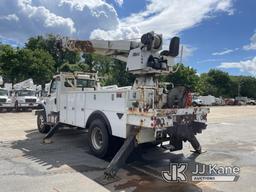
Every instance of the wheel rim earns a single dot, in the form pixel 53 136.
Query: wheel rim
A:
pixel 97 138
pixel 41 121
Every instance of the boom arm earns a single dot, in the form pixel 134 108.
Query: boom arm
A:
pixel 117 49
pixel 141 57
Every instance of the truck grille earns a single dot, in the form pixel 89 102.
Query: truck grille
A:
pixel 2 100
pixel 30 100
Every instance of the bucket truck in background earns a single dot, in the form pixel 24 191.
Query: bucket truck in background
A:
pixel 25 95
pixel 6 101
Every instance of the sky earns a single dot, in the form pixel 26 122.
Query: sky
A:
pixel 218 34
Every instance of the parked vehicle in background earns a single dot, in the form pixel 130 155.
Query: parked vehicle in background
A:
pixel 25 95
pixel 219 101
pixel 196 102
pixel 251 102
pixel 229 101
pixel 208 100
pixel 241 100
pixel 25 99
pixel 6 102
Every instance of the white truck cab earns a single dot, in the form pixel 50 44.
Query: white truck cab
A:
pixel 6 102
pixel 25 99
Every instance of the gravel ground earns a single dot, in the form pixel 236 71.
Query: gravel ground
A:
pixel 66 165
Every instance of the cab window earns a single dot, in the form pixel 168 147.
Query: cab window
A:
pixel 54 84
pixel 69 82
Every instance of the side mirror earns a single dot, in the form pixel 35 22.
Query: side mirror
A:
pixel 174 47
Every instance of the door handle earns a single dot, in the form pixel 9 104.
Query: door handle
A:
pixel 55 101
pixel 65 107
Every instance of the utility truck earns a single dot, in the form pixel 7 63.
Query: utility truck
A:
pixel 147 112
pixel 25 95
pixel 6 102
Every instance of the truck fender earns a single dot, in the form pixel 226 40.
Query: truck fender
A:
pixel 99 115
pixel 40 108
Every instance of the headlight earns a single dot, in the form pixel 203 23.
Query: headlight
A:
pixel 8 101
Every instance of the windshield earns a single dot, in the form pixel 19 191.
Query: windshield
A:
pixel 3 92
pixel 80 83
pixel 85 83
pixel 25 93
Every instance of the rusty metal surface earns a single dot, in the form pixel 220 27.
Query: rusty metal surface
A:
pixel 79 46
pixel 164 118
pixel 175 111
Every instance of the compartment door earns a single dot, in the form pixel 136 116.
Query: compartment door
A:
pixel 80 110
pixel 63 108
pixel 71 108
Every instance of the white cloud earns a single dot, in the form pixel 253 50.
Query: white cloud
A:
pixel 252 45
pixel 99 19
pixel 225 52
pixel 188 50
pixel 244 66
pixel 119 2
pixel 76 18
pixel 10 17
pixel 208 61
pixel 32 20
pixel 225 6
pixel 173 16
pixel 120 33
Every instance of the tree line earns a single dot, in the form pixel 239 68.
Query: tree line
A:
pixel 41 58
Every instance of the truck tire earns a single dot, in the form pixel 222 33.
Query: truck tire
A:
pixel 98 138
pixel 41 120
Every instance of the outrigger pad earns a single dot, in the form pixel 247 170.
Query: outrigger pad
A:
pixel 103 180
pixel 47 141
pixel 198 152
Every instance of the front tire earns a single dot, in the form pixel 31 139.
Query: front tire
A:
pixel 98 138
pixel 41 123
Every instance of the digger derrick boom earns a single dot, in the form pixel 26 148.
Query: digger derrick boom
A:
pixel 116 49
pixel 142 57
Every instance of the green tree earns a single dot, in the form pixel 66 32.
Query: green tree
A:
pixel 50 44
pixel 217 83
pixel 185 76
pixel 8 62
pixel 118 75
pixel 41 66
pixel 66 67
pixel 20 64
pixel 248 87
